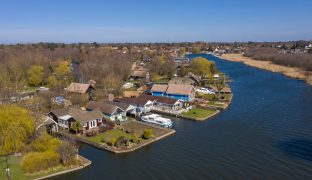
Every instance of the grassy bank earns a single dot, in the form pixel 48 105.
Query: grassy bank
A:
pixel 291 72
pixel 114 133
pixel 18 174
pixel 199 114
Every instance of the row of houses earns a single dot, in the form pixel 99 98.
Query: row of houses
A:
pixel 98 113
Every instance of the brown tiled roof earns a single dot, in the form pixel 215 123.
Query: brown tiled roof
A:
pixel 180 89
pixel 139 73
pixel 103 107
pixel 159 88
pixel 78 88
pixel 130 93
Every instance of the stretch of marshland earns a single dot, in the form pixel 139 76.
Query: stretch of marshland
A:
pixel 266 133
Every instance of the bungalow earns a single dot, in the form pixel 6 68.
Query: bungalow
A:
pixel 174 91
pixel 141 104
pixel 127 108
pixel 111 112
pixel 66 116
pixel 165 103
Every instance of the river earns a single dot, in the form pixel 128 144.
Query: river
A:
pixel 266 133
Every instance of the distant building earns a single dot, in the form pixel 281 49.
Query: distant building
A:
pixel 79 88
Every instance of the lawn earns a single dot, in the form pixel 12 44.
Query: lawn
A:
pixel 18 174
pixel 15 168
pixel 113 133
pixel 199 114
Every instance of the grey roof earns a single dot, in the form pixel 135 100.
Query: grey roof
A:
pixel 121 105
pixel 86 116
pixel 103 107
pixel 78 115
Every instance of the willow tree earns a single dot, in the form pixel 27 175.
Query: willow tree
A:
pixel 202 66
pixel 35 75
pixel 16 126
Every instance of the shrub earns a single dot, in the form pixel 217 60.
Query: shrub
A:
pixel 135 138
pixel 121 141
pixel 112 142
pixel 38 161
pixel 67 152
pixel 45 143
pixel 91 133
pixel 148 133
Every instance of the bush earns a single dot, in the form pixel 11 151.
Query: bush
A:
pixel 121 141
pixel 148 133
pixel 91 133
pixel 112 142
pixel 67 152
pixel 45 143
pixel 135 138
pixel 37 161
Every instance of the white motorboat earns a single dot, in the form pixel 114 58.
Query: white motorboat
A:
pixel 157 120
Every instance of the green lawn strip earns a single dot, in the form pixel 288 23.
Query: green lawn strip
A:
pixel 17 172
pixel 113 133
pixel 15 168
pixel 199 114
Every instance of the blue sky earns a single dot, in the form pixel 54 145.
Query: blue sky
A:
pixel 27 21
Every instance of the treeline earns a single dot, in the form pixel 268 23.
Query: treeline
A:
pixel 303 60
pixel 56 65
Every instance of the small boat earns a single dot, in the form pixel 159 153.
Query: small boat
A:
pixel 157 120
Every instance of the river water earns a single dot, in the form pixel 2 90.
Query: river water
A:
pixel 266 133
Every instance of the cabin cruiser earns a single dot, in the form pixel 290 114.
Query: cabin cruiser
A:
pixel 157 120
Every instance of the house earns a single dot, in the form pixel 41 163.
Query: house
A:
pixel 142 104
pixel 195 78
pixel 79 88
pixel 127 108
pixel 139 74
pixel 66 116
pixel 130 94
pixel 174 91
pixel 165 103
pixel 182 80
pixel 111 112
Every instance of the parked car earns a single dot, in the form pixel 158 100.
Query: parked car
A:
pixel 205 91
pixel 127 85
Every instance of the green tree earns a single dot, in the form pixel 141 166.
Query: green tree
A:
pixel 16 126
pixel 182 51
pixel 202 66
pixel 76 126
pixel 195 50
pixel 148 133
pixel 45 143
pixel 62 70
pixel 52 82
pixel 35 75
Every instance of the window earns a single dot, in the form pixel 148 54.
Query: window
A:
pixel 92 124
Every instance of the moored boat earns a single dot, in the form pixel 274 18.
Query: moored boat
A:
pixel 157 120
